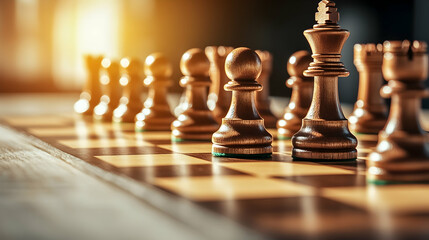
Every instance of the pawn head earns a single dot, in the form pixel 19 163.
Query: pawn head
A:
pixel 157 65
pixel 243 63
pixel 298 63
pixel 195 63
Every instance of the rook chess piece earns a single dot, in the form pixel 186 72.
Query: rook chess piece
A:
pixel 262 97
pixel 196 122
pixel 130 103
pixel 324 134
pixel 242 133
pixel 91 91
pixel 300 100
pixel 110 82
pixel 156 114
pixel 218 99
pixel 370 112
pixel 402 152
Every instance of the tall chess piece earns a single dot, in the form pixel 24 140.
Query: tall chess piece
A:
pixel 196 122
pixel 370 112
pixel 324 134
pixel 110 82
pixel 263 97
pixel 302 92
pixel 242 133
pixel 218 99
pixel 130 103
pixel 91 92
pixel 402 153
pixel 156 114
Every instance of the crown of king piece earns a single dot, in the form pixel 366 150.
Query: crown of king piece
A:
pixel 327 13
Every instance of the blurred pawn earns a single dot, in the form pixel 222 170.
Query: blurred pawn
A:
pixel 302 93
pixel 156 114
pixel 196 122
pixel 130 103
pixel 110 84
pixel 91 92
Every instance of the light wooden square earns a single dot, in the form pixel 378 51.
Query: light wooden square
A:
pixel 148 160
pixel 103 143
pixel 22 121
pixel 232 187
pixel 271 168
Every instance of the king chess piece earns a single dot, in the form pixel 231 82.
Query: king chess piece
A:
pixel 196 122
pixel 302 92
pixel 156 114
pixel 324 134
pixel 263 97
pixel 370 113
pixel 91 92
pixel 242 133
pixel 402 152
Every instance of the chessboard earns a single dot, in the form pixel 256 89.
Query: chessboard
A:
pixel 269 198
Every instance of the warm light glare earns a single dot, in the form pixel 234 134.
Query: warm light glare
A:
pixel 125 62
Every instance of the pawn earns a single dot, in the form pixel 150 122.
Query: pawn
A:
pixel 130 103
pixel 156 114
pixel 302 92
pixel 262 97
pixel 370 112
pixel 196 122
pixel 242 133
pixel 110 100
pixel 402 152
pixel 91 92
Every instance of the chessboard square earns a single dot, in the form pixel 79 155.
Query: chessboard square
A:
pixel 278 169
pixel 148 135
pixel 103 143
pixel 231 187
pixel 401 199
pixel 148 160
pixel 23 121
pixel 54 132
pixel 188 147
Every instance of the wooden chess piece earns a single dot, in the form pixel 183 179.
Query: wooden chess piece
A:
pixel 130 103
pixel 402 152
pixel 156 114
pixel 218 99
pixel 110 82
pixel 324 134
pixel 242 133
pixel 91 92
pixel 370 112
pixel 302 92
pixel 263 97
pixel 196 122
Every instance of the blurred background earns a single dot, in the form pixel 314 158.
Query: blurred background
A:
pixel 42 41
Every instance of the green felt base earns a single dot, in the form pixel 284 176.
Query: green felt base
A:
pixel 359 133
pixel 283 137
pixel 389 182
pixel 265 155
pixel 323 160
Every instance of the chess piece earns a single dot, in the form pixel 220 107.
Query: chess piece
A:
pixel 242 133
pixel 262 97
pixel 91 91
pixel 218 99
pixel 370 112
pixel 156 114
pixel 402 152
pixel 302 92
pixel 130 103
pixel 180 108
pixel 196 122
pixel 324 134
pixel 110 82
